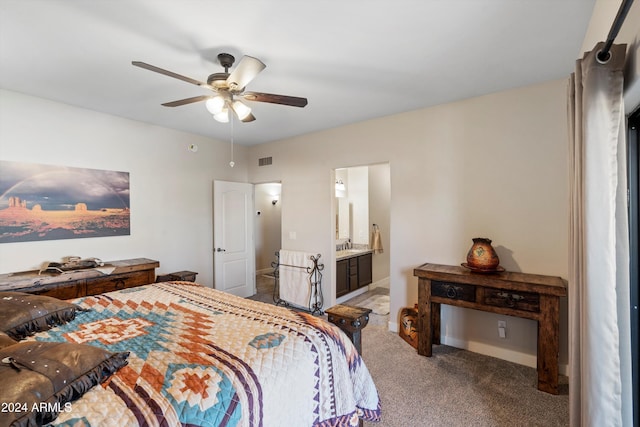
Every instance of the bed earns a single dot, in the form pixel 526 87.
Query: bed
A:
pixel 201 357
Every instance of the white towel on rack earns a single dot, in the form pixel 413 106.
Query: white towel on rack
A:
pixel 295 284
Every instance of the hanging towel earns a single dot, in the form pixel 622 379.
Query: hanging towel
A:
pixel 295 283
pixel 376 240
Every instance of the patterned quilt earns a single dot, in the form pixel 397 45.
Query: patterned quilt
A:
pixel 201 357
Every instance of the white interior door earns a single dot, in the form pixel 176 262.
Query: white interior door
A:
pixel 234 251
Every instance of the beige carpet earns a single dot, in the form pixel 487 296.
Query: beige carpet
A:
pixel 455 387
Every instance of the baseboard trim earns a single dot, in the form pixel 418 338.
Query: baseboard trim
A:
pixel 520 358
pixel 350 295
pixel 489 350
pixel 492 351
pixel 393 327
pixel 382 283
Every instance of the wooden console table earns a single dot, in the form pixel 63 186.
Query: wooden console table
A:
pixel 529 296
pixel 114 275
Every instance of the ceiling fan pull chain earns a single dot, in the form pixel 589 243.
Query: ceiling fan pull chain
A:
pixel 231 163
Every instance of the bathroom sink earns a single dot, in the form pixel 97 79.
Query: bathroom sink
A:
pixel 348 252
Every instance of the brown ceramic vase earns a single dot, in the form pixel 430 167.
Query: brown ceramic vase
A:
pixel 482 256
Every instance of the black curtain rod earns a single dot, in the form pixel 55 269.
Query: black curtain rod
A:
pixel 604 54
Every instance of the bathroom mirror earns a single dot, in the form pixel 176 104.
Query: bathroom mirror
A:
pixel 352 204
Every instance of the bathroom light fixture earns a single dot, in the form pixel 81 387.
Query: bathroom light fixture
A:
pixel 341 189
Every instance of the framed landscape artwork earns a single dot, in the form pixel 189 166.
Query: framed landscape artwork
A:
pixel 46 202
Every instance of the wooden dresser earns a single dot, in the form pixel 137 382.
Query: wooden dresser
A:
pixel 530 296
pixel 114 275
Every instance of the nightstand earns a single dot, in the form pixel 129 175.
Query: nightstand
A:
pixel 352 320
pixel 185 276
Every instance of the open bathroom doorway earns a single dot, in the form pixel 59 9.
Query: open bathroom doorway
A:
pixel 268 225
pixel 363 198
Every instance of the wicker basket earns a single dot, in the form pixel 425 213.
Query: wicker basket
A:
pixel 409 325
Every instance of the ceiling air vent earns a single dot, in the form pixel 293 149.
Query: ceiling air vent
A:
pixel 265 161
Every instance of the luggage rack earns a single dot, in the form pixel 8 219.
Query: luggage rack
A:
pixel 316 300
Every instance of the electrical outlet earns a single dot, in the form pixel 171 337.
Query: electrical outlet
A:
pixel 502 328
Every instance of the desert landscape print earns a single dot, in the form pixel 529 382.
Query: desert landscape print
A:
pixel 47 202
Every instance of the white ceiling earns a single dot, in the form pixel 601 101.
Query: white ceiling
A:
pixel 354 60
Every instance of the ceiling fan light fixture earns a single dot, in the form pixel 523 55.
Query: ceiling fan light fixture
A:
pixel 222 116
pixel 216 104
pixel 226 86
pixel 241 109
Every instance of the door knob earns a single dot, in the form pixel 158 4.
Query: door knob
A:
pixel 220 250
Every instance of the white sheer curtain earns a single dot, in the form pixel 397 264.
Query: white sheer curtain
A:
pixel 599 329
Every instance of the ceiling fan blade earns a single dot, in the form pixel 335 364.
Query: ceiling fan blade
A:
pixel 292 101
pixel 169 73
pixel 248 68
pixel 187 101
pixel 249 118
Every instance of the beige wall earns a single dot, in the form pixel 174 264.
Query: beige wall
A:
pixel 379 211
pixel 171 187
pixel 493 166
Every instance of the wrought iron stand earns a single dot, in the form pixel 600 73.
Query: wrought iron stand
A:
pixel 316 300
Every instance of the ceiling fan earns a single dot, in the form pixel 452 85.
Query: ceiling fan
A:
pixel 228 88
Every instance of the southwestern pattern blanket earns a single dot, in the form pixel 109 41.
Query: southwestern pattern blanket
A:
pixel 202 357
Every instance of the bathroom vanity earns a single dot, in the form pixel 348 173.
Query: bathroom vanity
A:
pixel 353 270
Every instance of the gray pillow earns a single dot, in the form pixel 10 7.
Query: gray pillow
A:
pixel 23 314
pixel 41 378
